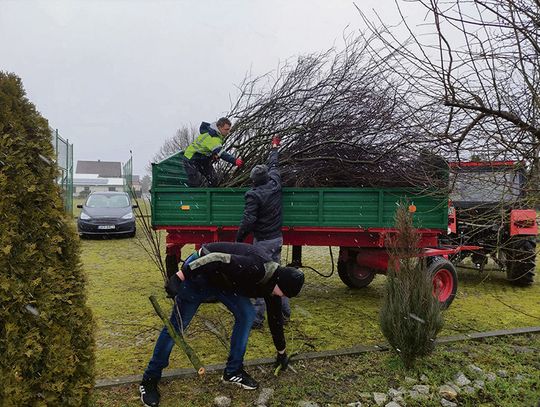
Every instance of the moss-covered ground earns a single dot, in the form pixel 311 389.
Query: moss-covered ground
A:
pixel 327 315
pixel 338 381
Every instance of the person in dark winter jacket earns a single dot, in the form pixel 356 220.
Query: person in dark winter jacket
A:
pixel 263 217
pixel 232 273
pixel 205 149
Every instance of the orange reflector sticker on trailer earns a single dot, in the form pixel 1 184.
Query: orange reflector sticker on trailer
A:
pixel 185 207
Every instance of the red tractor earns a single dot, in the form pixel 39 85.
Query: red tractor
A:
pixel 489 208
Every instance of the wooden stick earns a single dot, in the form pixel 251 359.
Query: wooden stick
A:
pixel 178 338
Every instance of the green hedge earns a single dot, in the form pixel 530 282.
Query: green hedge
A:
pixel 46 328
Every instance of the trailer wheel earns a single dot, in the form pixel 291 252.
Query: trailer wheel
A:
pixel 521 263
pixel 353 275
pixel 445 281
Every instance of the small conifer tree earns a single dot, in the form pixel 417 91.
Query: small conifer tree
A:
pixel 46 328
pixel 410 317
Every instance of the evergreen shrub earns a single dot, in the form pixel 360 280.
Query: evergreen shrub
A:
pixel 46 328
pixel 410 317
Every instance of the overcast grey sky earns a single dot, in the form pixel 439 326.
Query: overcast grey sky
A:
pixel 120 75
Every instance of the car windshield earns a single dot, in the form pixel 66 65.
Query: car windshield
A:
pixel 107 201
pixel 493 186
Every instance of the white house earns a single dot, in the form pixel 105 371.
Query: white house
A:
pixel 83 184
pixel 92 176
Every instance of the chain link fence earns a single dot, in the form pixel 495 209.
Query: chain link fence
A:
pixel 127 174
pixel 64 161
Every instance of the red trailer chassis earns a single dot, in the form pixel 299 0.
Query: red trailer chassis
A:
pixel 362 251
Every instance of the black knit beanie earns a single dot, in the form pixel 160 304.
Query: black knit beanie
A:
pixel 259 174
pixel 290 280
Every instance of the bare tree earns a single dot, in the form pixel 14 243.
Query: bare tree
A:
pixel 183 137
pixel 463 85
pixel 474 68
pixel 476 73
pixel 146 183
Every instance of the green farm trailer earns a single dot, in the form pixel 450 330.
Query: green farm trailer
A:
pixel 357 220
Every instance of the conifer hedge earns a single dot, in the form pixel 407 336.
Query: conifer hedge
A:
pixel 46 328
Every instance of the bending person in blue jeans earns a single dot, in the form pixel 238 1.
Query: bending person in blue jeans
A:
pixel 263 217
pixel 232 273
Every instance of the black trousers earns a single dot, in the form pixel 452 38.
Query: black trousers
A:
pixel 200 173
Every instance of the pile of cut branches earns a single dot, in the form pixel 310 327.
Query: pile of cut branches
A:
pixel 339 121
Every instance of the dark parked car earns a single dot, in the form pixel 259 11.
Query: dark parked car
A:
pixel 107 213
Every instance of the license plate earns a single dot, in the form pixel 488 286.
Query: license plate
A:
pixel 106 227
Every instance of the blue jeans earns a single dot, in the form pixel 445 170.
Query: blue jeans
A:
pixel 273 248
pixel 187 301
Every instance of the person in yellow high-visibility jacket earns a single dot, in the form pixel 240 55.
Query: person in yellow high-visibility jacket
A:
pixel 207 148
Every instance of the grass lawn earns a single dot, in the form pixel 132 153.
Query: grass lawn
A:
pixel 327 315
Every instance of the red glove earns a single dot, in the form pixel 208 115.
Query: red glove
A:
pixel 239 162
pixel 275 142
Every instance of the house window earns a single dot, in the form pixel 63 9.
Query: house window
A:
pixel 87 188
pixel 112 189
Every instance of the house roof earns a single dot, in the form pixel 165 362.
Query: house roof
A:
pixel 112 169
pixel 89 180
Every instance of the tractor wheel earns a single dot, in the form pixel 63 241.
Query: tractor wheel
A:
pixel 445 281
pixel 171 265
pixel 353 275
pixel 521 263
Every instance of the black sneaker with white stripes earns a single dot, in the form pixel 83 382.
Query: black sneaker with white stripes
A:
pixel 240 378
pixel 149 392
